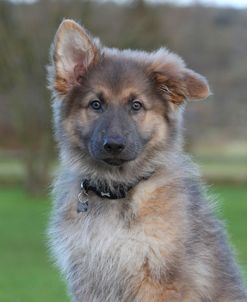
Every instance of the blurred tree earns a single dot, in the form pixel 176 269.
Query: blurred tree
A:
pixel 212 40
pixel 23 89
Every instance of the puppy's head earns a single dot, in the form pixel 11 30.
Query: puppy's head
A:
pixel 116 110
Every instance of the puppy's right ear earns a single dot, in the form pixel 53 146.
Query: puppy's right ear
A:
pixel 73 52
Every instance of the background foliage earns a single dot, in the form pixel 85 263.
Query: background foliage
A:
pixel 213 41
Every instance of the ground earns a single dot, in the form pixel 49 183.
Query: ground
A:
pixel 27 274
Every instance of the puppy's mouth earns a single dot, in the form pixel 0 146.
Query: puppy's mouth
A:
pixel 114 161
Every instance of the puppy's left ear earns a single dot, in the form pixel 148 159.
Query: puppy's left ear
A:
pixel 196 85
pixel 187 85
pixel 174 81
pixel 72 54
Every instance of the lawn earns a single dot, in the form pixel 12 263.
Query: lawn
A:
pixel 27 274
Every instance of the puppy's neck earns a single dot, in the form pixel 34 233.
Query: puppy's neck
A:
pixel 104 191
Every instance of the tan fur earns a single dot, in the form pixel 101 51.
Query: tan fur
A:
pixel 157 292
pixel 162 242
pixel 64 79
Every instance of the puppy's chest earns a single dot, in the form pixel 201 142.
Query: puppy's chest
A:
pixel 108 243
pixel 116 245
pixel 109 237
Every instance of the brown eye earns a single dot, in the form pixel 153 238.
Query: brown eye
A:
pixel 96 105
pixel 136 106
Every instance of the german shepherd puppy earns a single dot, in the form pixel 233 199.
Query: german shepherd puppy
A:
pixel 131 221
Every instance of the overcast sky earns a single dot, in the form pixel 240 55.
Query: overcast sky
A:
pixel 232 3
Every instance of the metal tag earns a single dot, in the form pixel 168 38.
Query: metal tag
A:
pixel 82 205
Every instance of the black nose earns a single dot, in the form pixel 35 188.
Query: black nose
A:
pixel 114 145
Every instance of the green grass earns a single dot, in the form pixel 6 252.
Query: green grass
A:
pixel 27 275
pixel 233 205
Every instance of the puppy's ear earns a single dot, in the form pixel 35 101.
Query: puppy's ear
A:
pixel 196 85
pixel 174 81
pixel 73 52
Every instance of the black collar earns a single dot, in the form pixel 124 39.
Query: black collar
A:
pixel 103 191
pixel 118 191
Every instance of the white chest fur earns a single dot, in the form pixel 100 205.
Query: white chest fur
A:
pixel 111 245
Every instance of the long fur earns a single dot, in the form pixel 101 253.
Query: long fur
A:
pixel 163 241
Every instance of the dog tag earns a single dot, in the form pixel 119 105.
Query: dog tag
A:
pixel 82 205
